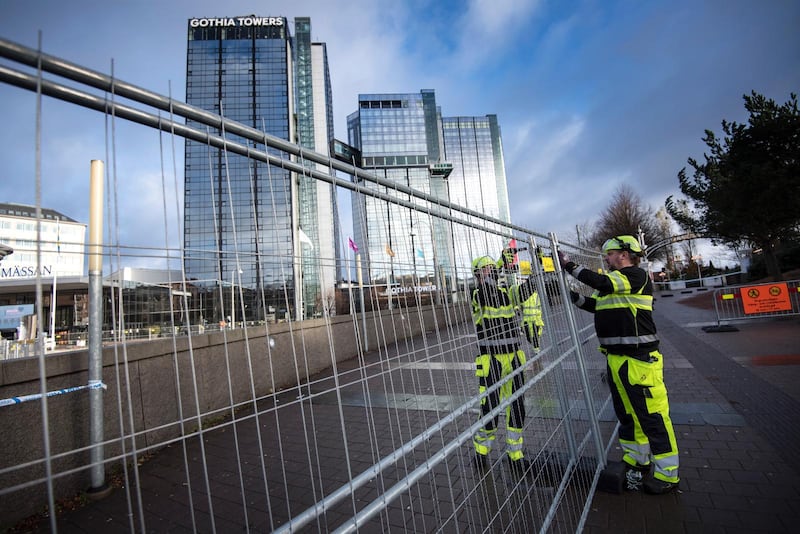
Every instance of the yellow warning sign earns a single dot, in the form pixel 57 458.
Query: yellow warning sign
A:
pixel 548 265
pixel 766 298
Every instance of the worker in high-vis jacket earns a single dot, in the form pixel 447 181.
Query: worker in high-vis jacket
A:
pixel 497 325
pixel 532 321
pixel 623 318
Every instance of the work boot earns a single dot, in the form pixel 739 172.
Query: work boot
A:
pixel 634 476
pixel 654 486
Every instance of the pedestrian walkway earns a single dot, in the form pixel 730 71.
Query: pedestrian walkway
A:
pixel 739 450
pixel 736 422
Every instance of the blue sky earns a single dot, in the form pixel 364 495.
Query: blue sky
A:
pixel 590 94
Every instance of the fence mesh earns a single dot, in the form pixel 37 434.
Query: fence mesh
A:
pixel 353 410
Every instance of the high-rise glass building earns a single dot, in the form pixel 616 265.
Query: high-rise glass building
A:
pixel 474 146
pixel 254 233
pixel 404 139
pixel 399 137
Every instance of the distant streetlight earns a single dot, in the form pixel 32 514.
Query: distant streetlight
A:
pixel 5 250
pixel 698 261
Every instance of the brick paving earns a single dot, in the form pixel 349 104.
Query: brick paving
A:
pixel 739 469
pixel 736 425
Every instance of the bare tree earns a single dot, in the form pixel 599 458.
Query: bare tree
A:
pixel 583 231
pixel 627 214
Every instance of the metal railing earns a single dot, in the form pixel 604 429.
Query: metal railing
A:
pixel 754 301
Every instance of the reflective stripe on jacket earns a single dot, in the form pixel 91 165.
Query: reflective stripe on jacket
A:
pixel 532 311
pixel 623 308
pixel 495 320
pixel 532 316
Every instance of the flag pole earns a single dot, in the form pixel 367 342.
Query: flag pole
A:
pixel 389 282
pixel 360 278
pixel 52 342
pixel 390 266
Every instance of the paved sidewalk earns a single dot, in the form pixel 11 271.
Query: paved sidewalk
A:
pixel 737 423
pixel 740 455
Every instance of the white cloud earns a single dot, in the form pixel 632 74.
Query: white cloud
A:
pixel 537 147
pixel 488 27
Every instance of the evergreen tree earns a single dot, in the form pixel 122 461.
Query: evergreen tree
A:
pixel 747 188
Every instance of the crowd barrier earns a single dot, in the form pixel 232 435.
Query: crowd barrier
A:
pixel 754 301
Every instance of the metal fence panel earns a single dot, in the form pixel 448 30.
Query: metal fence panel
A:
pixel 361 417
pixel 753 301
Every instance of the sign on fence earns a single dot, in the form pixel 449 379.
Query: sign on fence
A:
pixel 774 299
pixel 766 298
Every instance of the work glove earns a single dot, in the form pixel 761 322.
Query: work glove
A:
pixel 507 256
pixel 563 259
pixel 574 296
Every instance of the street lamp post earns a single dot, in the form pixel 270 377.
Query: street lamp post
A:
pixel 644 250
pixel 697 259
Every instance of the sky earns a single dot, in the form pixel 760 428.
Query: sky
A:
pixel 590 94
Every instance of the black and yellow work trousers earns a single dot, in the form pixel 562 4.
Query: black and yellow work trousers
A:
pixel 641 404
pixel 490 369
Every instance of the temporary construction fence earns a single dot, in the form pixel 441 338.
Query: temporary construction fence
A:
pixel 753 301
pixel 215 435
pixel 344 422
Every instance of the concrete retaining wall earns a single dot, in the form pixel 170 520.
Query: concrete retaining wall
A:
pixel 152 383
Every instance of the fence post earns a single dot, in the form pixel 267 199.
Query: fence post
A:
pixel 573 330
pixel 98 486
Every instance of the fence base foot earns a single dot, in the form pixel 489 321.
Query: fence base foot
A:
pixel 612 478
pixel 720 328
pixel 551 467
pixel 97 494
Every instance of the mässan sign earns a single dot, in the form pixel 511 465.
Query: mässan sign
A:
pixel 236 21
pixel 24 271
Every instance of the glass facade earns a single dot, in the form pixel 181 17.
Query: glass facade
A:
pixel 395 134
pixel 317 216
pixel 404 139
pixel 478 181
pixel 242 217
